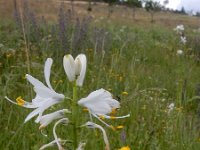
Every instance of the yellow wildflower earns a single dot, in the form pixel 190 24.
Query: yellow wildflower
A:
pixel 125 148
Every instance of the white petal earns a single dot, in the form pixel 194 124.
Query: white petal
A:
pixel 49 103
pixel 52 144
pixel 81 65
pixel 47 93
pixel 35 82
pixel 93 125
pixel 92 97
pixel 47 119
pixel 32 114
pixel 69 67
pixel 100 108
pixel 47 71
pixel 63 120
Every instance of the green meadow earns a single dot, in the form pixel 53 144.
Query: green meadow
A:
pixel 137 63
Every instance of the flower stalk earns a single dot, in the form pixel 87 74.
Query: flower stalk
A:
pixel 74 115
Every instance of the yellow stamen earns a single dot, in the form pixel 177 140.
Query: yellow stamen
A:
pixel 125 148
pixel 20 101
pixel 119 127
pixel 102 117
pixel 112 117
pixel 85 110
pixel 124 93
pixel 114 111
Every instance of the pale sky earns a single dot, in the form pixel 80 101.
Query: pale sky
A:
pixel 187 4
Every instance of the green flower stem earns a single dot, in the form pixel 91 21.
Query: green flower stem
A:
pixel 74 115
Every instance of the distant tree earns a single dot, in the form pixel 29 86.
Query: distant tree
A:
pixel 89 9
pixel 198 14
pixel 183 10
pixel 152 7
pixel 110 6
pixel 134 4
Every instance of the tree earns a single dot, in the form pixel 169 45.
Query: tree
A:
pixel 198 14
pixel 152 7
pixel 183 10
pixel 134 4
pixel 110 6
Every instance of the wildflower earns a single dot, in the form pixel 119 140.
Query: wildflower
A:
pixel 92 126
pixel 179 52
pixel 183 39
pixel 64 121
pixel 100 103
pixel 75 69
pixel 125 148
pixel 47 119
pixel 171 107
pixel 119 127
pixel 124 93
pixel 179 28
pixel 45 95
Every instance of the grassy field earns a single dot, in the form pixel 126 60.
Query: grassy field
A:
pixel 135 60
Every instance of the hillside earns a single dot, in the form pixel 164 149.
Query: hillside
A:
pixel 121 14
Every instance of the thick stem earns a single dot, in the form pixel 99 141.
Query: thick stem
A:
pixel 74 115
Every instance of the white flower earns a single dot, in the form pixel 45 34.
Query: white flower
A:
pixel 75 69
pixel 100 103
pixel 171 107
pixel 179 28
pixel 183 39
pixel 179 52
pixel 64 121
pixel 47 119
pixel 45 95
pixel 93 125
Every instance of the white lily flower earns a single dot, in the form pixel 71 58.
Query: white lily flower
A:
pixel 75 69
pixel 45 95
pixel 65 121
pixel 100 103
pixel 92 126
pixel 47 119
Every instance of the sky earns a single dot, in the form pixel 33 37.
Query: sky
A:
pixel 187 4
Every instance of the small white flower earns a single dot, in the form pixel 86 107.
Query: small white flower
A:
pixel 179 52
pixel 64 121
pixel 92 126
pixel 179 28
pixel 45 95
pixel 183 39
pixel 75 69
pixel 47 119
pixel 171 107
pixel 100 103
